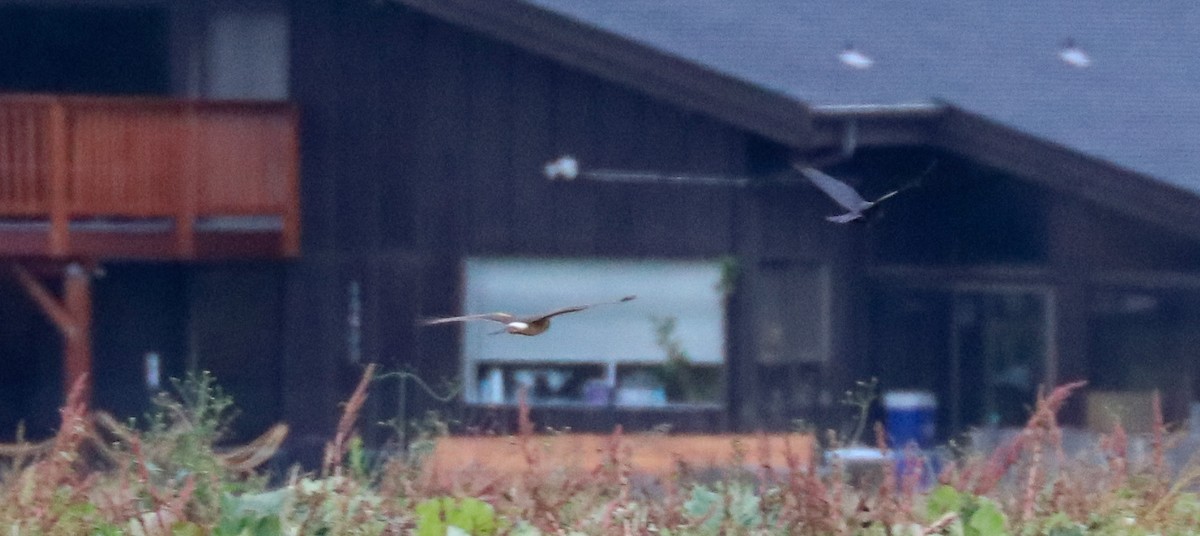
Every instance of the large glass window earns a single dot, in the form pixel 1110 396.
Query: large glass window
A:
pixel 1000 341
pixel 665 347
pixel 792 339
pixel 1141 340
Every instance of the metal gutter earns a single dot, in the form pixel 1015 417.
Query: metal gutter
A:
pixel 863 111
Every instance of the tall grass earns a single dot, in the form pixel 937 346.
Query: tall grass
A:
pixel 100 476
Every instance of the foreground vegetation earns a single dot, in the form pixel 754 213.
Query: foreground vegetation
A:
pixel 165 477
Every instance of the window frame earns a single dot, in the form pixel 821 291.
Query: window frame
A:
pixel 613 366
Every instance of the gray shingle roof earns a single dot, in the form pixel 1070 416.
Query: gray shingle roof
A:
pixel 1137 105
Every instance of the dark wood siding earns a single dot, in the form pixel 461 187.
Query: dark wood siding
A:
pixel 424 144
pixel 75 49
pixel 420 135
pixel 137 308
pixel 235 320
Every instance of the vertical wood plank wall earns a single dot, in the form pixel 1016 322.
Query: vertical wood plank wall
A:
pixel 424 143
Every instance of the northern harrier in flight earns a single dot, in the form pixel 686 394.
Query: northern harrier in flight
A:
pixel 522 325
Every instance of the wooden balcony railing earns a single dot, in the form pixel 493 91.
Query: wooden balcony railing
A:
pixel 67 162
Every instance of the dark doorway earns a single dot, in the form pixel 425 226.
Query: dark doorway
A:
pixel 97 50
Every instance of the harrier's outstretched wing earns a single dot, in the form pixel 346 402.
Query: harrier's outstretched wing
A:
pixel 575 308
pixel 837 190
pixel 502 318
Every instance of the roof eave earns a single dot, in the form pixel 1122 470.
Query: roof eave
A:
pixel 815 129
pixel 689 85
pixel 1065 169
pixel 847 127
pixel 947 127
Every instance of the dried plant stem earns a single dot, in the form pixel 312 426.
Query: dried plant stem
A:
pixel 1159 433
pixel 335 451
pixel 1033 479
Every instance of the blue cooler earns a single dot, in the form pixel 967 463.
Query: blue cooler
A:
pixel 910 418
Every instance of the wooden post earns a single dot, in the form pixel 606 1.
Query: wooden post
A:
pixel 72 316
pixel 77 299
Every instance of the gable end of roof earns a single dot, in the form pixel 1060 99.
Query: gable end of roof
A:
pixel 817 129
pixel 773 115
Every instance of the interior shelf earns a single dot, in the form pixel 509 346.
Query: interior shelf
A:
pixel 625 384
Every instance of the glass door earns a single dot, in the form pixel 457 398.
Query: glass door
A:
pixel 981 350
pixel 1000 348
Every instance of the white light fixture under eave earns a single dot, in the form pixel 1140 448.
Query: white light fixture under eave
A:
pixel 566 167
pixel 1073 55
pixel 855 58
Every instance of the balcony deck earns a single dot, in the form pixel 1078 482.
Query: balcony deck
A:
pixel 141 178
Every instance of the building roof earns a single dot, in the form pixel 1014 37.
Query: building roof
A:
pixel 987 82
pixel 1136 105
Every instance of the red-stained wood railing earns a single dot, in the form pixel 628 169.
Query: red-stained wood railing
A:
pixel 63 158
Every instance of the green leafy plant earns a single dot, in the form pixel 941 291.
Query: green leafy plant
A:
pixel 180 441
pixel 682 380
pixel 100 478
pixel 724 508
pixel 731 271
pixel 436 516
pixel 248 526
pixel 976 516
pixel 254 514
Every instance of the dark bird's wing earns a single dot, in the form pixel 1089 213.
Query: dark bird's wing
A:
pixel 888 195
pixel 916 182
pixel 837 190
pixel 574 309
pixel 502 318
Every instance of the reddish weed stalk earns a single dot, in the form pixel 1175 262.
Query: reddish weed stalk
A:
pixel 1003 458
pixel 809 505
pixel 795 496
pixel 335 451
